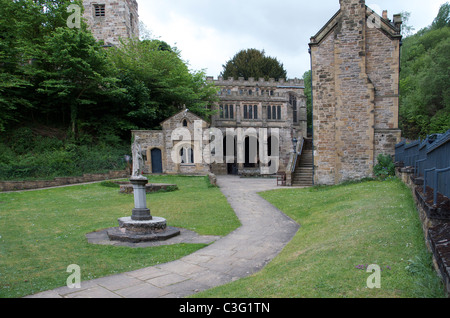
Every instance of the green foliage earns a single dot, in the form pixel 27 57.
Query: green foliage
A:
pixel 27 155
pixel 253 63
pixel 308 92
pixel 55 76
pixel 57 221
pixel 425 79
pixel 158 83
pixel 109 184
pixel 385 167
pixel 443 18
pixel 73 74
pixel 361 223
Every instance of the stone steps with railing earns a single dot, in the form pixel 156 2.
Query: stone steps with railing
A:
pixel 303 173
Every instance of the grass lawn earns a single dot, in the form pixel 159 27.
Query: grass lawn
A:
pixel 343 229
pixel 43 232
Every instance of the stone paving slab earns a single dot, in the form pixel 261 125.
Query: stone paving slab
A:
pixel 264 232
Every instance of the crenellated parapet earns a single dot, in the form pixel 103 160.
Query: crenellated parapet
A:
pixel 280 83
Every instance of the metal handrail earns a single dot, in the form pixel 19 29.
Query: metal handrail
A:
pixel 436 172
pixel 416 166
pixel 435 185
pixel 297 155
pixel 425 179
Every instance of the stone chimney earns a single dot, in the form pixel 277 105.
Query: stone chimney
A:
pixel 352 6
pixel 398 20
pixel 385 15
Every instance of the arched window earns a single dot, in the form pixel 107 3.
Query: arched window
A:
pixel 187 155
pixel 185 123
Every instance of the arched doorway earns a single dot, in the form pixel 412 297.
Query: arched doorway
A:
pixel 251 152
pixel 230 154
pixel 156 161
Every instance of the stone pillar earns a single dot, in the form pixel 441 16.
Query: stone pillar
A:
pixel 140 211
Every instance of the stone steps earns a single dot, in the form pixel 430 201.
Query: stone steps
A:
pixel 303 174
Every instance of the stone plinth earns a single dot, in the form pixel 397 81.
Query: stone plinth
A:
pixel 140 211
pixel 141 226
pixel 127 188
pixel 133 231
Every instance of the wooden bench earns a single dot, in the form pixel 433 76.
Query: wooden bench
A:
pixel 281 179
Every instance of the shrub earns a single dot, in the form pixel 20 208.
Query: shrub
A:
pixel 110 184
pixel 385 167
pixel 24 156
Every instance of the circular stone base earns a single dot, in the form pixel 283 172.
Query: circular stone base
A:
pixel 156 224
pixel 142 231
pixel 118 234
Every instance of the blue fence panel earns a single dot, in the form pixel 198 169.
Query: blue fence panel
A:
pixel 438 156
pixel 410 154
pixel 431 160
pixel 419 165
pixel 399 152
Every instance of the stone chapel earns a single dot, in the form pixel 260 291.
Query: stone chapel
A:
pixel 355 64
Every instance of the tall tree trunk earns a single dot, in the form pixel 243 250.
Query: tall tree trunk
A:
pixel 73 119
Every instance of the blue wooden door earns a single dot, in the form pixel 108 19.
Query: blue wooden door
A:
pixel 156 161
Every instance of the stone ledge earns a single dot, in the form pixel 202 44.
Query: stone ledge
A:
pixel 439 242
pixel 126 187
pixel 186 236
pixel 60 181
pixel 117 234
pixel 436 228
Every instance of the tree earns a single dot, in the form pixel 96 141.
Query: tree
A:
pixel 425 80
pixel 308 93
pixel 443 18
pixel 158 82
pixel 46 68
pixel 253 63
pixel 407 29
pixel 73 75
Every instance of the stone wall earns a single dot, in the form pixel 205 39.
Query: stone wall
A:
pixel 355 72
pixel 121 20
pixel 38 184
pixel 432 226
pixel 163 140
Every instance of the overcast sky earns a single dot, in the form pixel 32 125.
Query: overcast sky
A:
pixel 210 32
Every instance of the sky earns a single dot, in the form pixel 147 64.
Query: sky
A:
pixel 210 32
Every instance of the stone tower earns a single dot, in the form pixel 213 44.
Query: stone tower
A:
pixel 355 61
pixel 112 20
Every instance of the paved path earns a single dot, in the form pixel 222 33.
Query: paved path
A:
pixel 264 232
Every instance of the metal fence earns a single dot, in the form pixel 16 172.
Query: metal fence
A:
pixel 430 159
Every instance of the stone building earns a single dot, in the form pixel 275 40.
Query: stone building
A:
pixel 177 148
pixel 255 124
pixel 355 61
pixel 277 107
pixel 112 20
pixel 260 126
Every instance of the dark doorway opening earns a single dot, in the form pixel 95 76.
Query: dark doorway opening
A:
pixel 156 161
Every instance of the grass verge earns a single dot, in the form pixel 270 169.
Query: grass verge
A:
pixel 344 229
pixel 43 232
